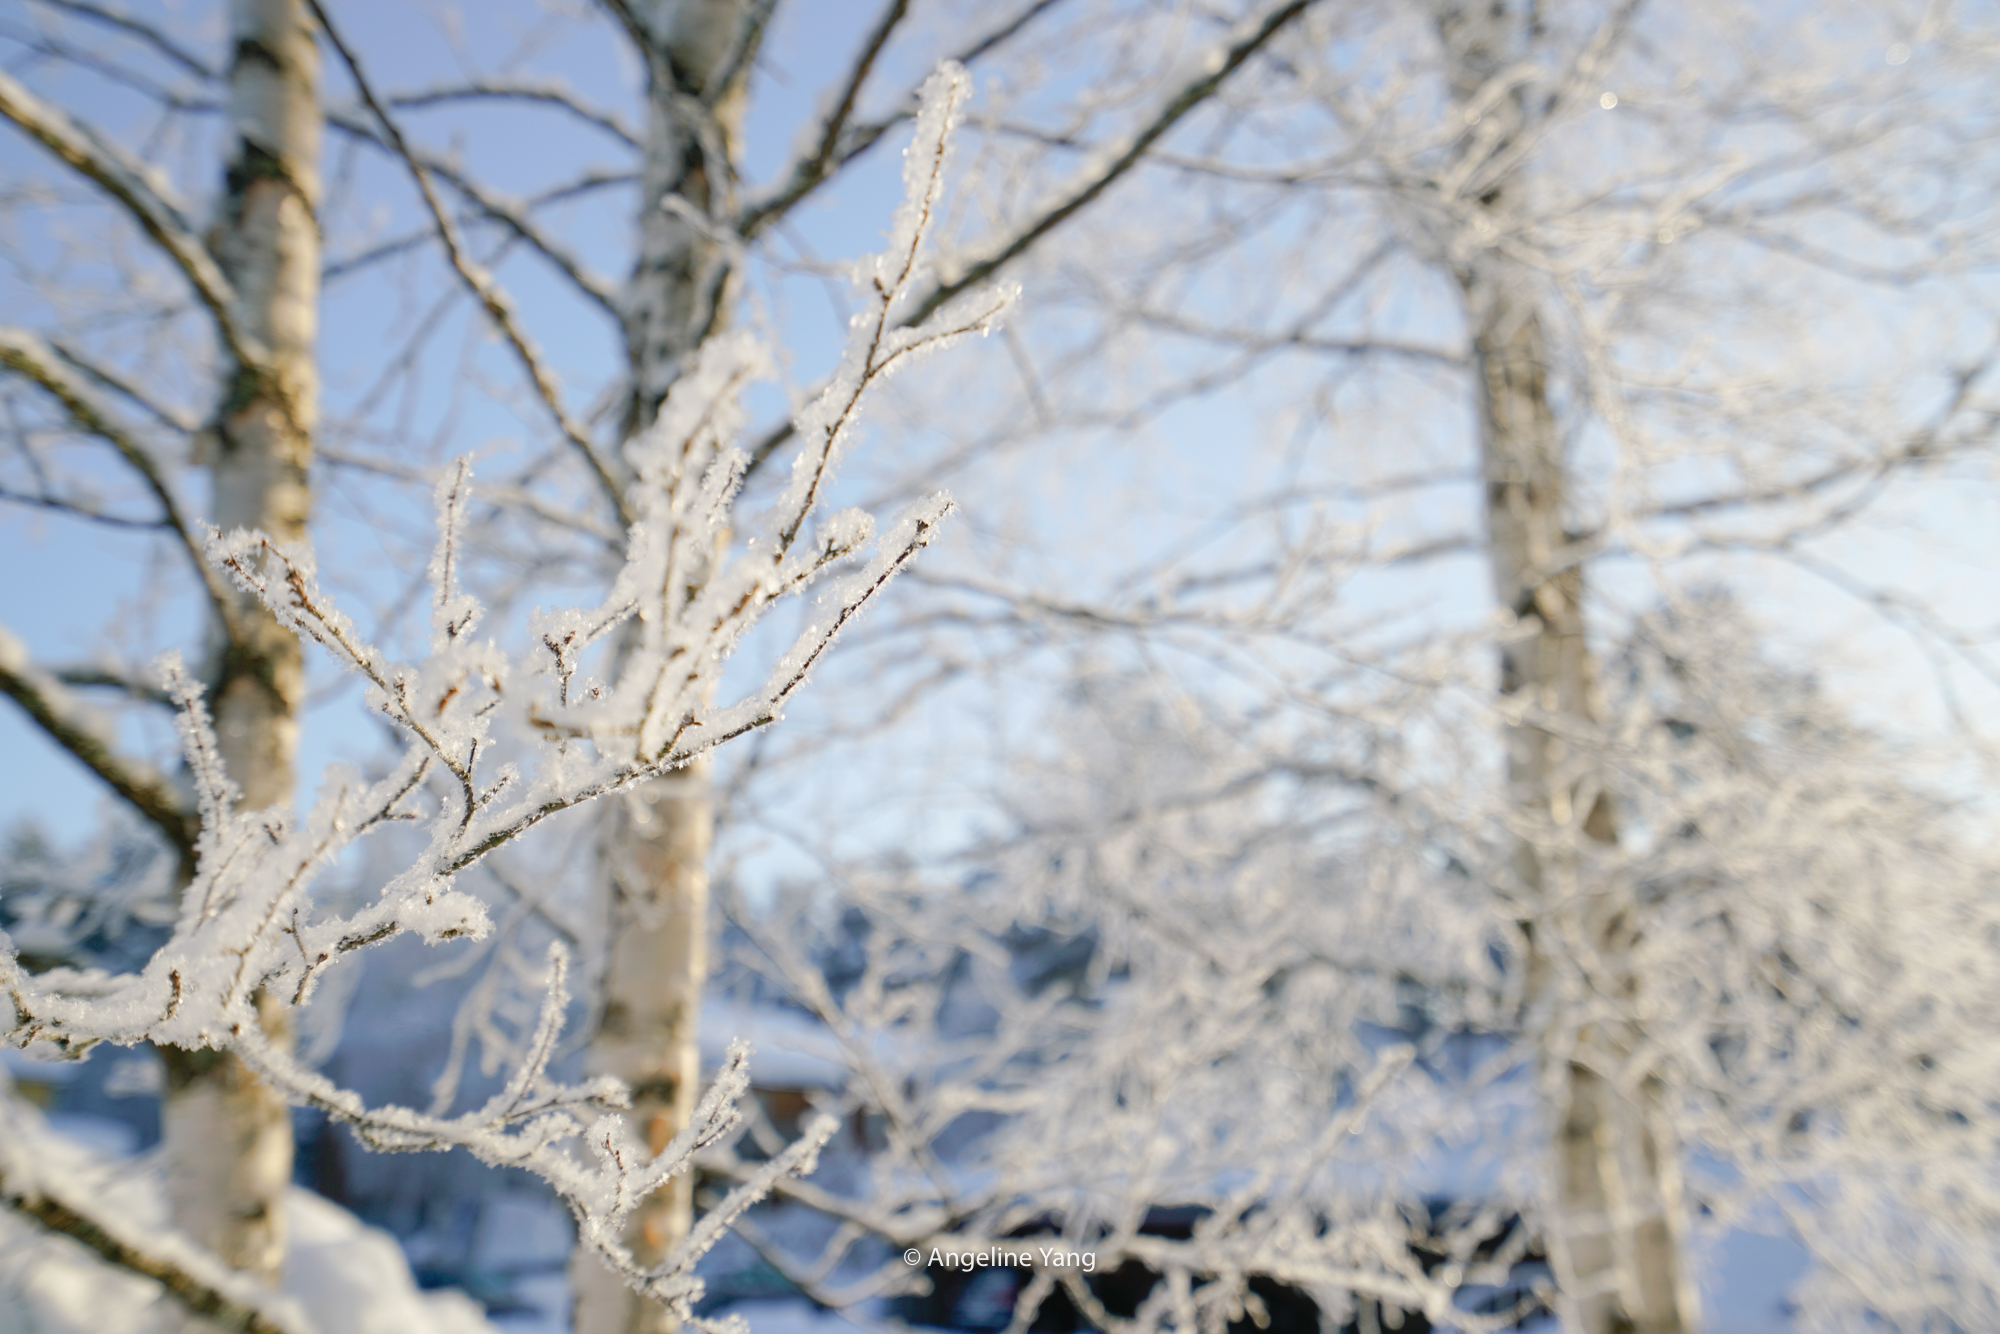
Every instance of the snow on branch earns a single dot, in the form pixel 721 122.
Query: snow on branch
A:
pixel 203 1285
pixel 685 598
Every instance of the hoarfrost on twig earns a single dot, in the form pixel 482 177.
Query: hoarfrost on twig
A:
pixel 249 924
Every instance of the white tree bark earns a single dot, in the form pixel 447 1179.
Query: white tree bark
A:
pixel 655 849
pixel 656 840
pixel 1614 1239
pixel 684 277
pixel 228 1138
pixel 1615 1214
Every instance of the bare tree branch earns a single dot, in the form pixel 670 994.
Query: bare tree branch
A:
pixel 543 92
pixel 1249 40
pixel 826 155
pixel 77 509
pixel 839 143
pixel 165 414
pixel 510 214
pixel 79 730
pixel 143 31
pixel 519 498
pixel 399 245
pixel 635 28
pixel 55 49
pixel 110 678
pixel 28 355
pixel 1253 340
pixel 496 302
pixel 126 181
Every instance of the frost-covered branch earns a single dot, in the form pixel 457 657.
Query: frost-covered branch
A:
pixel 248 924
pixel 1150 1013
pixel 197 1281
pixel 196 1293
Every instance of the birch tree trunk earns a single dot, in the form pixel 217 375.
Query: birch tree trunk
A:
pixel 1615 1227
pixel 655 842
pixel 1615 1243
pixel 228 1138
